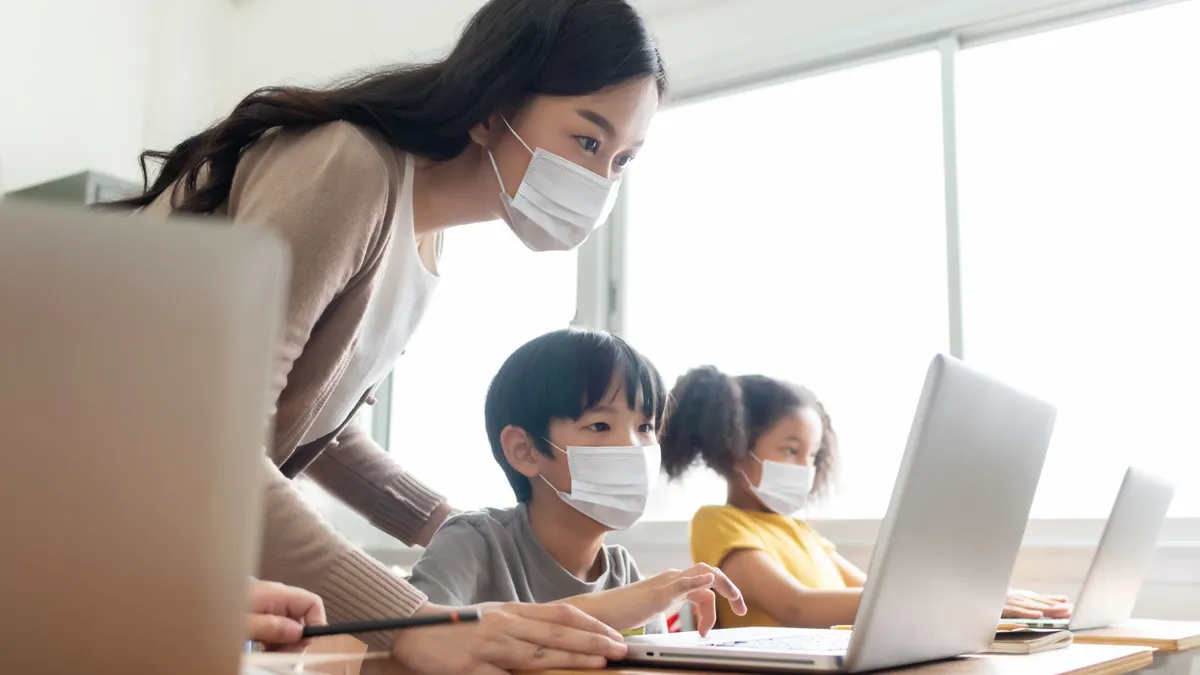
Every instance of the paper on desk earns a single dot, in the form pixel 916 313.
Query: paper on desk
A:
pixel 280 663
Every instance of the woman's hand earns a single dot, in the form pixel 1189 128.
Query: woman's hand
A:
pixel 279 613
pixel 1029 605
pixel 512 636
pixel 635 605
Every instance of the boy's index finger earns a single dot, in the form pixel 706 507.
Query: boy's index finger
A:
pixel 725 587
pixel 693 583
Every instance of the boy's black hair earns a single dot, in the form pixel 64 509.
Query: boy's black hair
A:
pixel 562 375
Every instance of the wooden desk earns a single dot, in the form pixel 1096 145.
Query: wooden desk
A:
pixel 1074 660
pixel 1165 636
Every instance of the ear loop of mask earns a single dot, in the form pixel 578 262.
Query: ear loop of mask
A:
pixel 496 167
pixel 547 439
pixel 514 133
pixel 497 170
pixel 760 462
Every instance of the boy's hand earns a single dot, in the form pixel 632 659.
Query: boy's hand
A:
pixel 637 604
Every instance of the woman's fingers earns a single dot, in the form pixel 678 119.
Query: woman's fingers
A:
pixel 306 606
pixel 561 627
pixel 512 653
pixel 271 629
pixel 477 669
pixel 564 614
pixel 268 597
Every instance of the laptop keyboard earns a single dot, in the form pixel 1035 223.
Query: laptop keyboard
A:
pixel 821 641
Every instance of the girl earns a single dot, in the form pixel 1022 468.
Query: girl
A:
pixel 777 449
pixel 529 120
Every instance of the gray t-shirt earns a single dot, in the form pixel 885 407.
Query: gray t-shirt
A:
pixel 493 556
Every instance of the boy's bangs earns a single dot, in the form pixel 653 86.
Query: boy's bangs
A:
pixel 615 364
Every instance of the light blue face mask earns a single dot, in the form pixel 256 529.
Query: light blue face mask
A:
pixel 558 204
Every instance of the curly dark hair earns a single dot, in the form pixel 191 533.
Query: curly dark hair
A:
pixel 714 419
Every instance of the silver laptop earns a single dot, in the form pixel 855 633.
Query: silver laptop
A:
pixel 949 541
pixel 135 362
pixel 1123 557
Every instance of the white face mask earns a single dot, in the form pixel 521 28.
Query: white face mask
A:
pixel 784 487
pixel 610 485
pixel 558 203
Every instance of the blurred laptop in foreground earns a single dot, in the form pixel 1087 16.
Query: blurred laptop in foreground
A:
pixel 135 379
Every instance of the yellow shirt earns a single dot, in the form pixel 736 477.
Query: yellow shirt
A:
pixel 718 531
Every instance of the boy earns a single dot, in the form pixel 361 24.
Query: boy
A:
pixel 572 418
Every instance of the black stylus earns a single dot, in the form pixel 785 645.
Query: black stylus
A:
pixel 464 616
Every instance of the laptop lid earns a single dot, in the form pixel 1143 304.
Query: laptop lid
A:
pixel 955 522
pixel 134 376
pixel 1126 549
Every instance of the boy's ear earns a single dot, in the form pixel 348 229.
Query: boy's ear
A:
pixel 519 450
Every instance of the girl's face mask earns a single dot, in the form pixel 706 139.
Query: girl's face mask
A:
pixel 783 488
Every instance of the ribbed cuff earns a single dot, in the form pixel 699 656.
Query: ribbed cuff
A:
pixel 359 588
pixel 405 508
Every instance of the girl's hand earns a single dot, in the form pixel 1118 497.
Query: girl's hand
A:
pixel 1030 605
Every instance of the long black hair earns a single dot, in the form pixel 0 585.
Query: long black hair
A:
pixel 510 51
pixel 715 420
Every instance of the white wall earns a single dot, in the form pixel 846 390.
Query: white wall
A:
pixel 191 70
pixel 89 84
pixel 73 76
pixel 706 43
pixel 309 42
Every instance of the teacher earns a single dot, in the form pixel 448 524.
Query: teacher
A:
pixel 529 120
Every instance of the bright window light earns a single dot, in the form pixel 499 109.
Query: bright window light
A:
pixel 495 295
pixel 797 231
pixel 1079 176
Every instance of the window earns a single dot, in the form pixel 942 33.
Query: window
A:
pixel 495 295
pixel 798 231
pixel 1081 243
